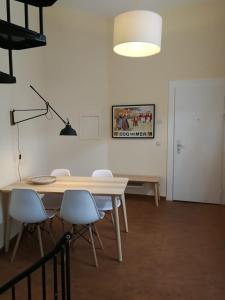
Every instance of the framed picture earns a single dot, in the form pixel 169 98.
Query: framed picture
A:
pixel 133 121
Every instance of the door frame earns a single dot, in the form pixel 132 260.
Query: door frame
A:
pixel 171 125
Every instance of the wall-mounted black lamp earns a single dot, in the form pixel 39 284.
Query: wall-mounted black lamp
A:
pixel 68 130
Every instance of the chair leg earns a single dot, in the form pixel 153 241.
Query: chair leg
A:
pixel 63 226
pixel 17 243
pixel 98 236
pixel 49 228
pixel 73 231
pixel 61 221
pixel 8 232
pixel 40 240
pixel 74 228
pixel 124 212
pixel 50 222
pixel 112 217
pixel 93 245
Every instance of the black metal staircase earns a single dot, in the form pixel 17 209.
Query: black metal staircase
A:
pixel 58 271
pixel 7 78
pixel 15 37
pixel 38 3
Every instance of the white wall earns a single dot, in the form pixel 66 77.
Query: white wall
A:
pixel 193 47
pixel 28 68
pixel 84 75
pixel 76 66
pixel 78 73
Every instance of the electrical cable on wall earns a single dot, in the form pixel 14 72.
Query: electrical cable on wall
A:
pixel 19 151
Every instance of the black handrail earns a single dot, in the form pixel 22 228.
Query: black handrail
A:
pixel 62 248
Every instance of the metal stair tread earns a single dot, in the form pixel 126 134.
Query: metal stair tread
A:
pixel 38 3
pixel 6 78
pixel 16 37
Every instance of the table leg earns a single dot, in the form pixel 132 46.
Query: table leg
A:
pixel 6 220
pixel 123 200
pixel 117 229
pixel 156 195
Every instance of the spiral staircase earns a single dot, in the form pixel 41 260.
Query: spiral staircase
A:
pixel 15 37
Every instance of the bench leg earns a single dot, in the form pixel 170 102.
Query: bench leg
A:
pixel 158 192
pixel 156 195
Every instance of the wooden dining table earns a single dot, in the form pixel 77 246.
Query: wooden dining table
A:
pixel 114 187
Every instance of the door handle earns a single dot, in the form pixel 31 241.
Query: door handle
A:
pixel 179 147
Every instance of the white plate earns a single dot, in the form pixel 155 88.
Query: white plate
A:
pixel 43 179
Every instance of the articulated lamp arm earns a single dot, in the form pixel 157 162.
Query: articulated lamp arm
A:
pixel 68 130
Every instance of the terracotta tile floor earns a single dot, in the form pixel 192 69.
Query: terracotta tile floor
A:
pixel 174 252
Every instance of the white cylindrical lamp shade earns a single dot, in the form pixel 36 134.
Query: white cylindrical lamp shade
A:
pixel 137 33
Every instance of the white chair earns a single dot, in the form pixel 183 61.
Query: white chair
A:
pixel 60 172
pixel 104 203
pixel 26 207
pixel 53 201
pixel 79 208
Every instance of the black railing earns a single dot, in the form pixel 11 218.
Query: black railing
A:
pixel 59 275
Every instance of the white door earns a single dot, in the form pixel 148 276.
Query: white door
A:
pixel 198 141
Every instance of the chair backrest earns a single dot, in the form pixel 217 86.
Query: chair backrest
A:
pixel 79 207
pixel 102 173
pixel 60 172
pixel 26 206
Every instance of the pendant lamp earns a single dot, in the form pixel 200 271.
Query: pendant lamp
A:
pixel 137 33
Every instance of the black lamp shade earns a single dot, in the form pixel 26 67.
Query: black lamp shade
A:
pixel 68 130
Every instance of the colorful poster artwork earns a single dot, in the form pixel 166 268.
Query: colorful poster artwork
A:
pixel 133 121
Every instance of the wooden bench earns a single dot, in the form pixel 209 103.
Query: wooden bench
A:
pixel 155 180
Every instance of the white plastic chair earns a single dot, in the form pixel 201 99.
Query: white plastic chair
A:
pixel 104 203
pixel 79 208
pixel 60 172
pixel 26 207
pixel 53 201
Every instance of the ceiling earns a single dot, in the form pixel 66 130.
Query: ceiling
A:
pixel 113 7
